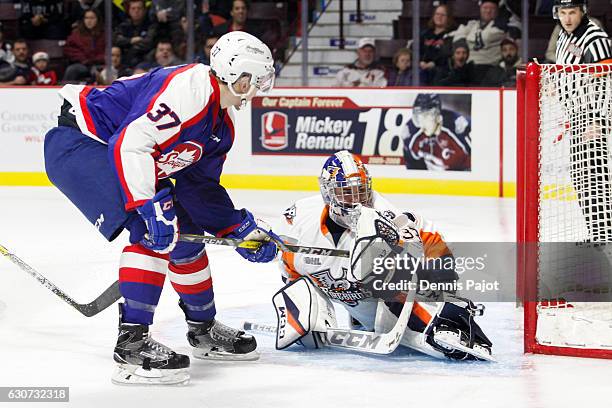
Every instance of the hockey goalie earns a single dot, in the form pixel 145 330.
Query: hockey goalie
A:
pixel 349 215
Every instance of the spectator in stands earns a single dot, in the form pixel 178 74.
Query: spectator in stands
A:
pixel 401 73
pixel 204 19
pixel 143 67
pixel 457 71
pixel 239 21
pixel 436 42
pixel 20 68
pixel 136 35
pixel 7 69
pixel 164 55
pixel 484 37
pixel 6 51
pixel 40 74
pixel 118 70
pixel 77 8
pixel 43 19
pixel 167 16
pixel 505 74
pixel 364 71
pixel 85 48
pixel 203 57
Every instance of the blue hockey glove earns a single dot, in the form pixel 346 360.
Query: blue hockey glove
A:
pixel 249 230
pixel 160 218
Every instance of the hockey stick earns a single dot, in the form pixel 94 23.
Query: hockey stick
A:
pixel 107 298
pixel 239 243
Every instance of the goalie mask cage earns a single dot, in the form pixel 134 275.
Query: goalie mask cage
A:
pixel 564 130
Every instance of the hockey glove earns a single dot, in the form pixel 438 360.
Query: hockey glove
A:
pixel 249 230
pixel 160 218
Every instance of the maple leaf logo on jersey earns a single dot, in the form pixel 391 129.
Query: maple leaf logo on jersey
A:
pixel 181 156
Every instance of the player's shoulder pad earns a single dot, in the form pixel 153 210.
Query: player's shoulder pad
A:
pixel 305 209
pixel 456 122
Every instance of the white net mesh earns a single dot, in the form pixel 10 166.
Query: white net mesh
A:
pixel 575 206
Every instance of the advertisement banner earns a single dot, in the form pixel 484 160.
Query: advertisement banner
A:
pixel 432 132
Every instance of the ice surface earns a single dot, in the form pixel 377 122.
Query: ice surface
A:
pixel 43 342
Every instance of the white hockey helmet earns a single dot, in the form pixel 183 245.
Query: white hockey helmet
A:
pixel 237 54
pixel 345 185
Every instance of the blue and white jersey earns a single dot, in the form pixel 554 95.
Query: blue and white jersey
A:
pixel 165 123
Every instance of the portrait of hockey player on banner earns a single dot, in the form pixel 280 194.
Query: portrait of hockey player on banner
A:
pixel 437 137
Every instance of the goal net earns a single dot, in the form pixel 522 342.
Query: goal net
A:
pixel 564 203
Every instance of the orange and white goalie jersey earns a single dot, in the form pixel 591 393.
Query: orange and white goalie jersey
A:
pixel 304 223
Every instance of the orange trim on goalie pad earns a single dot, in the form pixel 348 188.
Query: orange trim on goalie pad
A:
pixel 420 312
pixel 295 324
pixel 289 265
pixel 324 216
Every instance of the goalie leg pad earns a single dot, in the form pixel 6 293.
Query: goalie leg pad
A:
pixel 302 309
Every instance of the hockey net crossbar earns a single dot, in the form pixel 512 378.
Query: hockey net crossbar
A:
pixel 564 208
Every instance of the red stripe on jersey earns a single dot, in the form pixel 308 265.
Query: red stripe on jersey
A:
pixel 85 110
pixel 135 275
pixel 184 269
pixel 167 82
pixel 139 249
pixel 130 203
pixel 227 230
pixel 217 97
pixel 230 125
pixel 193 289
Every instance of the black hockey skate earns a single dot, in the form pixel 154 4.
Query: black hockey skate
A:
pixel 142 360
pixel 215 341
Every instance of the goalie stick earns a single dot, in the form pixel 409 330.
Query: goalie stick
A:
pixel 107 298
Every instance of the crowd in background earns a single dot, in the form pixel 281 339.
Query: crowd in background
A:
pixel 152 33
pixel 482 52
pixel 146 34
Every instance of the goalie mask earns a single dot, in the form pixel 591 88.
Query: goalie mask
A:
pixel 346 185
pixel 427 113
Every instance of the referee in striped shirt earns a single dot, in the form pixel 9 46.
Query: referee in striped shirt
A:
pixel 581 41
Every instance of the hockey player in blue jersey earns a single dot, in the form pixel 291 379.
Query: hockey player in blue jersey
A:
pixel 113 154
pixel 435 138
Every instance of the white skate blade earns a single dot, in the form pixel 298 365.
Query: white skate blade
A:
pixel 224 355
pixel 451 341
pixel 127 374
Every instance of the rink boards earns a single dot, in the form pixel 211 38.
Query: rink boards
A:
pixel 283 138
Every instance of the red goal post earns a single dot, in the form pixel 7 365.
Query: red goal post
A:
pixel 557 105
